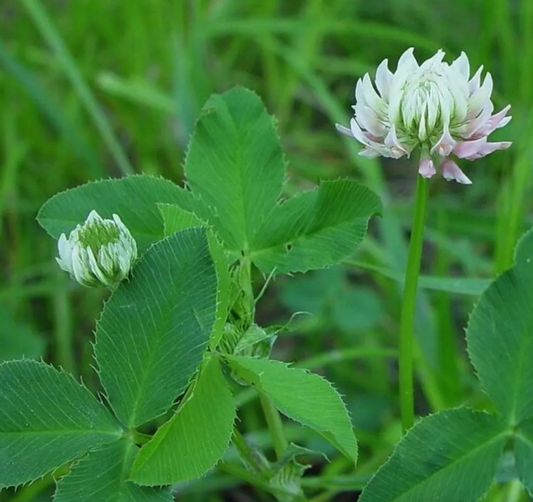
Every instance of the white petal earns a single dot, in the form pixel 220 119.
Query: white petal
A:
pixel 407 61
pixel 370 95
pixel 396 148
pixel 426 168
pixel 368 119
pixel 451 171
pixel 479 99
pixel 474 82
pixel 93 217
pixel 369 153
pixel 445 144
pixel 384 79
pixel 461 65
pixel 344 130
pixel 95 267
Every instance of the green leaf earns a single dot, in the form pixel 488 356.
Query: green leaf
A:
pixel 175 219
pixel 524 249
pixel 235 165
pixel 450 456
pixel 46 420
pixel 524 454
pixel 102 476
pixel 305 397
pixel 18 339
pixel 155 328
pixel 133 198
pixel 500 341
pixel 195 438
pixel 315 229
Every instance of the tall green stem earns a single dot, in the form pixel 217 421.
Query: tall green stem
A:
pixel 409 305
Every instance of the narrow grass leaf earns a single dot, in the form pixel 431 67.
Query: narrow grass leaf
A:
pixel 316 229
pixel 46 420
pixel 39 95
pixel 469 286
pixel 102 476
pixel 52 37
pixel 235 165
pixel 302 396
pixel 155 328
pixel 133 198
pixel 450 456
pixel 195 438
pixel 500 341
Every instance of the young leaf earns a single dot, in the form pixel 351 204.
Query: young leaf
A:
pixel 195 438
pixel 102 476
pixel 524 454
pixel 315 229
pixel 133 198
pixel 154 329
pixel 449 456
pixel 175 219
pixel 500 341
pixel 46 420
pixel 305 397
pixel 235 165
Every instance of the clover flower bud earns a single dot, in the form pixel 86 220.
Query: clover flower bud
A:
pixel 98 252
pixel 434 108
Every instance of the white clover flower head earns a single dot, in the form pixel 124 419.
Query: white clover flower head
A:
pixel 98 252
pixel 434 107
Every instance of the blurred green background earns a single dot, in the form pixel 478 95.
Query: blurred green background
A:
pixel 92 89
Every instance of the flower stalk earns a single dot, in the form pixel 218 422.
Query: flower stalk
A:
pixel 408 310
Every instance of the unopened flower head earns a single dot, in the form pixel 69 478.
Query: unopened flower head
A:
pixel 434 108
pixel 98 252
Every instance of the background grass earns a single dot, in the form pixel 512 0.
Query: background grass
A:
pixel 93 89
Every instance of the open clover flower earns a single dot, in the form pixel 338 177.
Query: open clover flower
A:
pixel 433 106
pixel 98 252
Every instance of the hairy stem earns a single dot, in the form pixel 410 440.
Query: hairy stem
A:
pixel 275 425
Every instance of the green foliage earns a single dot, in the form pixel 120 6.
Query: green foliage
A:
pixel 303 57
pixel 175 218
pixel 235 169
pixel 195 438
pixel 155 328
pixel 453 454
pixel 102 476
pixel 456 452
pixel 316 229
pixel 305 397
pixel 524 249
pixel 235 166
pixel 133 198
pixel 46 420
pixel 523 446
pixel 500 340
